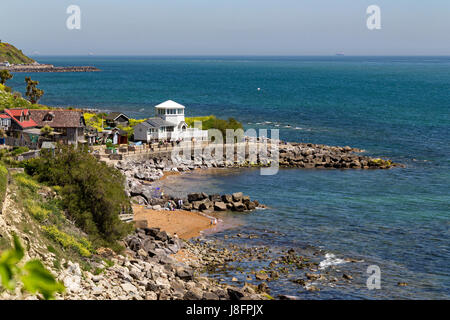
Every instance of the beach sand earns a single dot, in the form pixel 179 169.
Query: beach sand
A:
pixel 185 224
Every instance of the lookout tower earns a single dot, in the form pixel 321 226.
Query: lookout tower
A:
pixel 170 111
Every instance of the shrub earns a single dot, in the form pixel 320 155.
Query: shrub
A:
pixel 92 192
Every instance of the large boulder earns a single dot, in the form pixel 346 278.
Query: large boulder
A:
pixel 237 196
pixel 195 197
pixel 215 197
pixel 227 198
pixel 220 206
pixel 206 205
pixel 239 206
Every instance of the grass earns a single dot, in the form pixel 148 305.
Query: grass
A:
pixel 81 246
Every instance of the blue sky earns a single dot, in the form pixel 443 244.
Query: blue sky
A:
pixel 231 27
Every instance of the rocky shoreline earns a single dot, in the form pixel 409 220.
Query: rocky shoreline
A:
pixel 148 271
pixel 205 257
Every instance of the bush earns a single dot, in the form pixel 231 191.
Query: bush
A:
pixel 92 192
pixel 19 150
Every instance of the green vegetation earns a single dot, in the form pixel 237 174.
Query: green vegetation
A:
pixel 208 122
pixel 98 122
pixel 82 246
pixel 9 100
pixel 3 182
pixel 4 76
pixel 13 55
pixel 95 120
pixel 46 130
pixel 33 92
pixel 92 193
pixel 211 122
pixel 34 276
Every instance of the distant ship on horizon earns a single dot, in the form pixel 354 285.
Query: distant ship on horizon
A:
pixel 340 54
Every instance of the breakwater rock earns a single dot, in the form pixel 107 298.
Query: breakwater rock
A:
pixel 308 155
pixel 51 68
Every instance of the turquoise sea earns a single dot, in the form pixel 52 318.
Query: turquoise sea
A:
pixel 395 107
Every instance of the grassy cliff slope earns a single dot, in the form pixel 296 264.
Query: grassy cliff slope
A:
pixel 13 55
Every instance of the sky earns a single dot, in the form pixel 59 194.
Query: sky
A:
pixel 227 27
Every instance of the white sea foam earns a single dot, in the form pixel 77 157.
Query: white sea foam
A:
pixel 330 260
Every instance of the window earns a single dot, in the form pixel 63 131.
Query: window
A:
pixel 180 111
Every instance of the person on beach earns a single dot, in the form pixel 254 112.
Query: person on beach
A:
pixel 180 203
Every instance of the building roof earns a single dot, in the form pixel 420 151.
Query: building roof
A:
pixel 157 123
pixel 114 115
pixel 169 104
pixel 15 114
pixel 60 118
pixel 4 116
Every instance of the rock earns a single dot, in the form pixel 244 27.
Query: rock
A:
pixel 215 197
pixel 210 296
pixel 402 284
pixel 227 198
pixel 195 197
pixel 205 205
pixel 151 296
pixel 237 196
pixel 157 207
pixel 235 293
pixel 185 274
pixel 261 276
pixel 129 288
pixel 220 206
pixel 347 276
pixel 193 294
pixel 72 284
pixel 142 253
pixel 96 291
pixel 238 206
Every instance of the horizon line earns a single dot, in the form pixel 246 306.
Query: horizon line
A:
pixel 237 55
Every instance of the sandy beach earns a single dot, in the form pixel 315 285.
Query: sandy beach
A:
pixel 185 224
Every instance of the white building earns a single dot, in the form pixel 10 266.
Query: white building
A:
pixel 169 124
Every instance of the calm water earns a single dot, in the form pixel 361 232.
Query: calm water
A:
pixel 397 107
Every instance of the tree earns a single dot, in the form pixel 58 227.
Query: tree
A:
pixel 92 192
pixel 5 75
pixel 33 93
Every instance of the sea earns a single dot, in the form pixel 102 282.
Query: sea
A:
pixel 397 220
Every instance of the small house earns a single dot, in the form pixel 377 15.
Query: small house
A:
pixel 169 124
pixel 68 125
pixel 115 119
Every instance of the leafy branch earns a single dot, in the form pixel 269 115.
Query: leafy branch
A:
pixel 34 276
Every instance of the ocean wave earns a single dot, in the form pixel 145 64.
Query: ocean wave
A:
pixel 330 260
